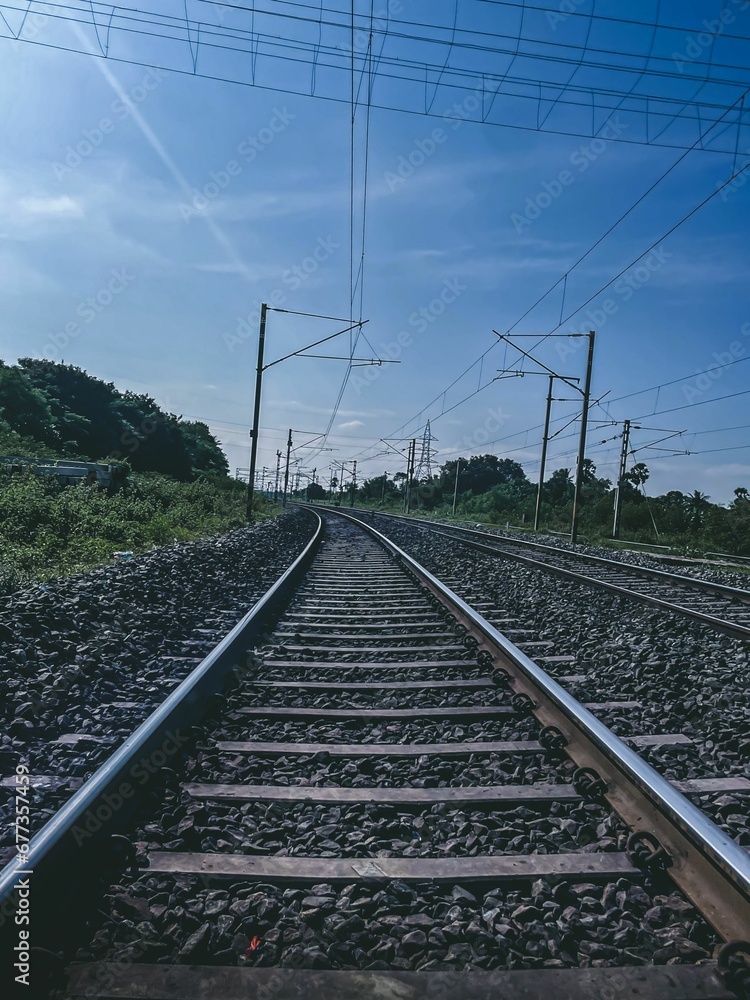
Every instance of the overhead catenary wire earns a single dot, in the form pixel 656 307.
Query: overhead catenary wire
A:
pixel 482 78
pixel 563 278
pixel 370 55
pixel 354 95
pixel 524 7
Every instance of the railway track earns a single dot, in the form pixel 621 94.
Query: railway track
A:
pixel 724 608
pixel 394 800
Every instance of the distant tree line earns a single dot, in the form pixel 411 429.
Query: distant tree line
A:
pixel 50 410
pixel 498 491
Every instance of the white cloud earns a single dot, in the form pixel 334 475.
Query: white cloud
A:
pixel 51 207
pixel 350 425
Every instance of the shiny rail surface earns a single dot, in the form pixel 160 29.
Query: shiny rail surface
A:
pixel 354 601
pixel 724 608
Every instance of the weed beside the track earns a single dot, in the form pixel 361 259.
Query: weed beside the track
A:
pixel 48 531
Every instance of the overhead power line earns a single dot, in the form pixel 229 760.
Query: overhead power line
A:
pixel 200 48
pixel 580 306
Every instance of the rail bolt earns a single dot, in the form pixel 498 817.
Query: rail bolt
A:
pixel 500 676
pixel 470 642
pixel 589 783
pixel 733 960
pixel 522 704
pixel 552 739
pixel 485 658
pixel 121 851
pixel 645 850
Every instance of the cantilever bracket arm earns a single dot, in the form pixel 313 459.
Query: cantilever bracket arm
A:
pixel 541 364
pixel 342 357
pixel 294 354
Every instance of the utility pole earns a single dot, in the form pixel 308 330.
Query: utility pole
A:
pixel 455 487
pixel 545 439
pixel 621 478
pixel 354 482
pixel 278 473
pixel 582 440
pixel 288 455
pixel 385 482
pixel 255 430
pixel 505 372
pixel 410 473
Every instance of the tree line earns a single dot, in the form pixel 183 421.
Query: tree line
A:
pixel 498 491
pixel 50 410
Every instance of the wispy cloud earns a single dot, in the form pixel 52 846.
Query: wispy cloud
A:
pixel 52 207
pixel 350 425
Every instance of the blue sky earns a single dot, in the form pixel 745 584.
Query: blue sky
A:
pixel 145 214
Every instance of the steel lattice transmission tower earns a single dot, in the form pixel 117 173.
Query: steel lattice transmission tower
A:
pixel 424 467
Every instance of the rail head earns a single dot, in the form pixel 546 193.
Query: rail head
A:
pixel 693 841
pixel 72 824
pixel 722 589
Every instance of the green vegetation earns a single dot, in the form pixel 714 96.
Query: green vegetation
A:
pixel 49 530
pixel 59 411
pixel 496 491
pixel 172 477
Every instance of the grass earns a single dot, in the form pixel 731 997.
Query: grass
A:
pixel 48 531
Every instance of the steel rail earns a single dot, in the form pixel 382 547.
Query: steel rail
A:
pixel 710 868
pixel 734 629
pixel 699 584
pixel 70 829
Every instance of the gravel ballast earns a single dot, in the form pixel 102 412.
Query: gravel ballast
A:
pixel 96 653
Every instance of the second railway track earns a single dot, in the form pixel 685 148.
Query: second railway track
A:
pixel 395 801
pixel 718 605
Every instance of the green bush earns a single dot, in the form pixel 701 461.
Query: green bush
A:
pixel 48 530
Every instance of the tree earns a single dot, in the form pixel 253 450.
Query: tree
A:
pixel 637 475
pixel 558 489
pixel 594 487
pixel 378 488
pixel 203 449
pixel 88 418
pixel 697 506
pixel 315 492
pixel 480 473
pixel 24 409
